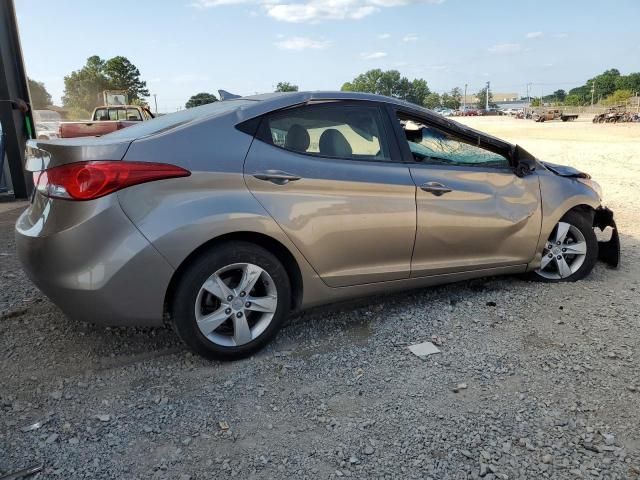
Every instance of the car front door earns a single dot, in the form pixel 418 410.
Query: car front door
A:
pixel 331 179
pixel 473 211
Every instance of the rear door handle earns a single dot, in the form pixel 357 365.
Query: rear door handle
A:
pixel 276 176
pixel 436 188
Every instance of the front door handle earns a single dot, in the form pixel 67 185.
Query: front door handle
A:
pixel 276 176
pixel 436 188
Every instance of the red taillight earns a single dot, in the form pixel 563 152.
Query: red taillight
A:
pixel 89 180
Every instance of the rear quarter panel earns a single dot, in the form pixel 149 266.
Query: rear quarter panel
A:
pixel 179 215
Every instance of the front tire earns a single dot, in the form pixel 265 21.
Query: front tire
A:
pixel 571 251
pixel 231 301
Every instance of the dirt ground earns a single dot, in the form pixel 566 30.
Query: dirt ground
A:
pixel 533 381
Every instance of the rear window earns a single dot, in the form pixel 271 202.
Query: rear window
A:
pixel 172 120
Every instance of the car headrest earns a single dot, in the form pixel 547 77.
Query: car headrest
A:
pixel 334 144
pixel 297 138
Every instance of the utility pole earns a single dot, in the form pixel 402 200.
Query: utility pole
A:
pixel 528 92
pixel 593 91
pixel 155 100
pixel 486 99
pixel 464 100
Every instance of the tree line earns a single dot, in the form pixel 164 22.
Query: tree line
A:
pixel 83 88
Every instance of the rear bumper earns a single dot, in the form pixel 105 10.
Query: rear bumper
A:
pixel 92 262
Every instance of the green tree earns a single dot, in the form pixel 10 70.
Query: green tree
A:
pixel 619 97
pixel 200 99
pixel 629 82
pixel 432 100
pixel 453 100
pixel 389 83
pixel 83 88
pixel 604 85
pixel 418 91
pixel 482 99
pixel 286 87
pixel 573 100
pixel 559 95
pixel 124 75
pixel 536 102
pixel 40 98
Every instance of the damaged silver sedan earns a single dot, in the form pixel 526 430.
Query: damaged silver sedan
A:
pixel 223 219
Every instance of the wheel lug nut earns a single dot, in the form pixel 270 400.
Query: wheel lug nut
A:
pixel 227 311
pixel 239 314
pixel 564 249
pixel 242 294
pixel 551 255
pixel 559 257
pixel 229 298
pixel 248 304
pixel 557 243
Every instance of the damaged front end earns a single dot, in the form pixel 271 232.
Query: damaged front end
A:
pixel 608 251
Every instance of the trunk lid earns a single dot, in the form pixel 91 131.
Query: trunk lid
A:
pixel 45 154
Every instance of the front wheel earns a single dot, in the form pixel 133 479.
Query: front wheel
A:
pixel 231 301
pixel 571 251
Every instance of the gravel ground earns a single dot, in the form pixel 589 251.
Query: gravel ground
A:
pixel 534 380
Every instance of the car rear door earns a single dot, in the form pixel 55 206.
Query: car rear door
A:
pixel 330 177
pixel 473 211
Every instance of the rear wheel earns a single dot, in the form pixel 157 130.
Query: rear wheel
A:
pixel 570 252
pixel 231 301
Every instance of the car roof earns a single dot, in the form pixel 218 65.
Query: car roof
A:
pixel 241 109
pixel 278 99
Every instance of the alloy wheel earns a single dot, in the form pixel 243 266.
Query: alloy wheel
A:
pixel 236 304
pixel 564 253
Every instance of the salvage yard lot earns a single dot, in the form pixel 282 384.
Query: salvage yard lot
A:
pixel 552 374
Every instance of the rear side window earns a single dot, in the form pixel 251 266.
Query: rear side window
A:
pixel 335 130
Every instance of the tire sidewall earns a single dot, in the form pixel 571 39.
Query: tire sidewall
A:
pixel 202 267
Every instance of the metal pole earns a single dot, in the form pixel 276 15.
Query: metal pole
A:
pixel 464 101
pixel 16 125
pixel 155 99
pixel 486 98
pixel 593 91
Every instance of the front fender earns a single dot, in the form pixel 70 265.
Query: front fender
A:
pixel 559 195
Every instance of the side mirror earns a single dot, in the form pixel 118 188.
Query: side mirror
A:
pixel 525 162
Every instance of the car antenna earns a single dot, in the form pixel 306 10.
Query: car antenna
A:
pixel 224 95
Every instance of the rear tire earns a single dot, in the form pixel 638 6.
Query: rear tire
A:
pixel 231 301
pixel 574 257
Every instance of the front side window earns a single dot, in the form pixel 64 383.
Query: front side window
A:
pixel 332 130
pixel 434 146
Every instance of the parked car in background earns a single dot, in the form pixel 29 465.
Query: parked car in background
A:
pixel 106 119
pixel 445 112
pixel 47 119
pixel 552 114
pixel 468 112
pixel 45 131
pixel 513 111
pixel 223 219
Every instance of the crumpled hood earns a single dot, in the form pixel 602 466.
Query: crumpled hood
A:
pixel 565 171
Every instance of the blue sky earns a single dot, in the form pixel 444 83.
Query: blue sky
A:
pixel 184 47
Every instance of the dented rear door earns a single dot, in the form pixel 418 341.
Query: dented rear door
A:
pixel 489 218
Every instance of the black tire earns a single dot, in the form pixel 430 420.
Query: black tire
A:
pixel 583 223
pixel 200 269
